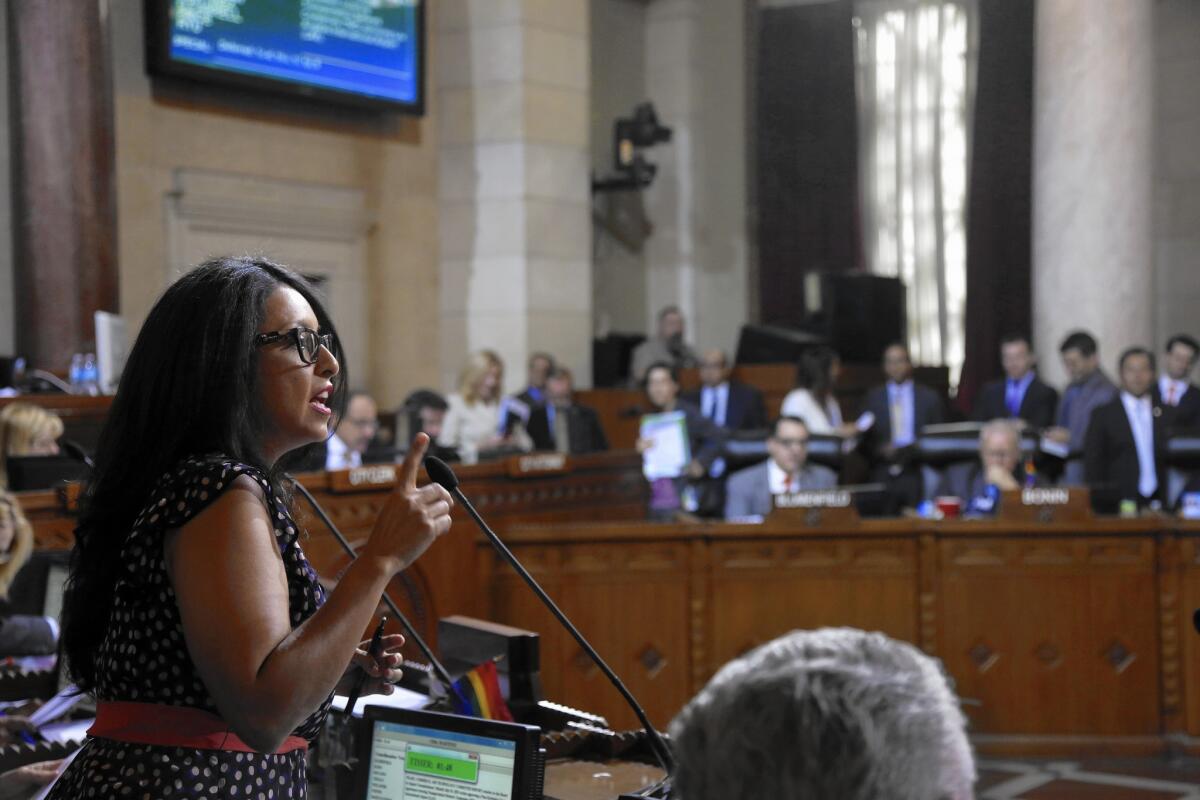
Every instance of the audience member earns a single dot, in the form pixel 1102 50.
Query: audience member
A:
pixel 835 714
pixel 472 424
pixel 1089 388
pixel 1174 390
pixel 1126 439
pixel 345 448
pixel 1021 394
pixel 667 347
pixel 521 407
pixel 27 430
pixel 999 465
pixel 20 634
pixel 812 400
pixel 901 408
pixel 424 411
pixel 750 491
pixel 563 425
pixel 705 441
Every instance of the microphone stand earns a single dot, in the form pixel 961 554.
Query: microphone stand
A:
pixel 440 473
pixel 439 670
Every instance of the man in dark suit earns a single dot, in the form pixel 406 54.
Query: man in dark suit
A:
pixel 730 404
pixel 1174 390
pixel 519 407
pixel 1126 439
pixel 749 491
pixel 901 408
pixel 562 425
pixel 1020 395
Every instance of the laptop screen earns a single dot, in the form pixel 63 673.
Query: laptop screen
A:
pixel 413 762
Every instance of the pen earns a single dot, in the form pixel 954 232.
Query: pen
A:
pixel 373 652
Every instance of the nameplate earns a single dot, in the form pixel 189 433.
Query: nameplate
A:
pixel 537 464
pixel 376 476
pixel 815 509
pixel 1051 504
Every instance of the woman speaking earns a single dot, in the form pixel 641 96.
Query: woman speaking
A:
pixel 191 612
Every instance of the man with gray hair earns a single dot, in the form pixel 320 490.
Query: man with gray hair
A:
pixel 830 714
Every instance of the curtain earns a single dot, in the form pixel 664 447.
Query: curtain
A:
pixel 915 90
pixel 999 274
pixel 804 124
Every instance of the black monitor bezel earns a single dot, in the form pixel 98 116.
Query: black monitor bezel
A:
pixel 526 737
pixel 160 64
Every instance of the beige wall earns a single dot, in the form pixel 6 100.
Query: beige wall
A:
pixel 1177 168
pixel 393 162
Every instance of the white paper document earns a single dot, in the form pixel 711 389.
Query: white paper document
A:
pixel 669 452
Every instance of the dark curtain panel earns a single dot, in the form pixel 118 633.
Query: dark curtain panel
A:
pixel 806 150
pixel 999 219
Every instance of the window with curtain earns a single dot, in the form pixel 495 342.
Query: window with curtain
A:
pixel 915 84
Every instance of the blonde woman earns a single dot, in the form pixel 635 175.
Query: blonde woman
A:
pixel 27 430
pixel 20 634
pixel 472 421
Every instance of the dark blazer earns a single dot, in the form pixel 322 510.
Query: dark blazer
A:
pixel 1110 459
pixel 927 410
pixel 1184 415
pixel 584 431
pixel 745 411
pixel 1038 406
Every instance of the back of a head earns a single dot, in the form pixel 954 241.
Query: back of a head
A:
pixel 831 714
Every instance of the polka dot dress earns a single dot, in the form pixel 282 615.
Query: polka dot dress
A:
pixel 144 658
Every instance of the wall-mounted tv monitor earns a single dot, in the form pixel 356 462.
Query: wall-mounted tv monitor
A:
pixel 368 53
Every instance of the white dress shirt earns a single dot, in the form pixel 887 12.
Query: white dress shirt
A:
pixel 778 481
pixel 902 405
pixel 819 420
pixel 1141 421
pixel 339 456
pixel 714 403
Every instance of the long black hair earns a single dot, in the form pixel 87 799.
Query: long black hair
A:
pixel 814 371
pixel 190 387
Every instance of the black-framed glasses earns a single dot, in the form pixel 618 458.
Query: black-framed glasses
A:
pixel 308 342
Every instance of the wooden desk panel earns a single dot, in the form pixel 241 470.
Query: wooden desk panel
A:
pixel 1037 630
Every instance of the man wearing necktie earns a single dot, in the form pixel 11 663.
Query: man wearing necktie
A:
pixel 1020 395
pixel 1123 452
pixel 1179 397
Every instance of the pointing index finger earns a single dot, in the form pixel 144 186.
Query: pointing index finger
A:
pixel 412 461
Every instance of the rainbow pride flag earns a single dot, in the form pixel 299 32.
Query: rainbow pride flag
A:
pixel 477 694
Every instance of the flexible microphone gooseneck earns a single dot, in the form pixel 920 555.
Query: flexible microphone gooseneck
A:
pixel 441 474
pixel 438 668
pixel 75 450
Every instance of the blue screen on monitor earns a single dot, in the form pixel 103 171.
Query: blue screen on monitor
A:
pixel 365 49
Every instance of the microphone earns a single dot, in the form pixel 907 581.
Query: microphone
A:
pixel 441 474
pixel 438 668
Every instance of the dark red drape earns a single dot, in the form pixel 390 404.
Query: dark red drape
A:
pixel 999 219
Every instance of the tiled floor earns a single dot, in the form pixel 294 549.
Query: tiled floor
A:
pixel 1110 779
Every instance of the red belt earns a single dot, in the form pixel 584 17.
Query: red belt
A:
pixel 174 726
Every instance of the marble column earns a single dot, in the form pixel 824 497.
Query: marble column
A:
pixel 696 257
pixel 515 222
pixel 1093 172
pixel 64 187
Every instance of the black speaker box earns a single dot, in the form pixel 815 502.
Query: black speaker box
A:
pixel 858 314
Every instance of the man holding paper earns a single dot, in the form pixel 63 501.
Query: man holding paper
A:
pixel 678 445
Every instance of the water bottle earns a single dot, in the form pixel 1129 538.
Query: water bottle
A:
pixel 75 374
pixel 91 374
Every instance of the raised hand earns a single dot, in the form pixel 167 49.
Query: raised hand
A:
pixel 412 517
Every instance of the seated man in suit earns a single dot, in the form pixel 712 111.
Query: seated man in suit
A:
pixel 1021 395
pixel 999 465
pixel 424 411
pixel 561 424
pixel 829 713
pixel 1089 389
pixel 750 491
pixel 1175 390
pixel 344 450
pixel 1126 439
pixel 901 408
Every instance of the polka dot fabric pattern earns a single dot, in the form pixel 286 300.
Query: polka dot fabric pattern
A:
pixel 144 658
